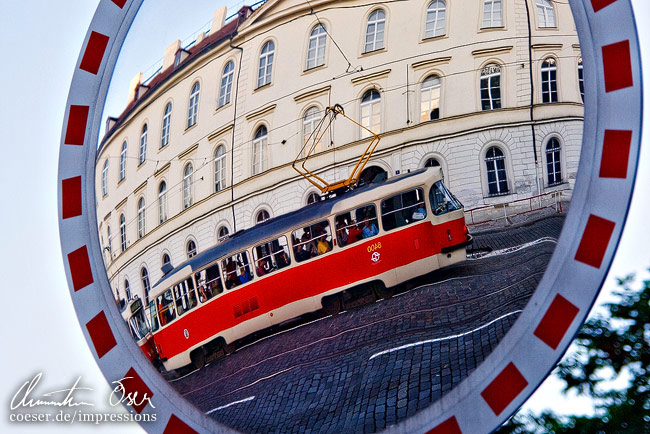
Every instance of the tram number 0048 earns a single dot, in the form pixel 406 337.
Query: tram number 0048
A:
pixel 375 246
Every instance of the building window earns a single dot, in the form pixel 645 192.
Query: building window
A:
pixel 495 163
pixel 581 80
pixel 491 87
pixel 313 198
pixel 105 178
pixel 309 122
pixel 188 175
pixel 549 81
pixel 220 168
pixel 123 161
pixel 222 234
pixel 191 248
pixel 110 241
pixel 146 287
pixel 316 49
pixel 436 17
pixel 432 162
pixel 545 13
pixel 226 83
pixel 143 145
pixel 430 99
pixel 193 109
pixel 123 232
pixel 375 31
pixel 141 218
pixel 262 216
pixel 162 202
pixel 553 162
pixel 492 13
pixel 127 289
pixel 166 259
pixel 370 112
pixel 266 64
pixel 259 150
pixel 167 119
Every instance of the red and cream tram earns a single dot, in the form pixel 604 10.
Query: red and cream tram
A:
pixel 135 318
pixel 379 235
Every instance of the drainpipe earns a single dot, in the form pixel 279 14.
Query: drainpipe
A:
pixel 532 92
pixel 232 150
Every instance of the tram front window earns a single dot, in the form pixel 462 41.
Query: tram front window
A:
pixel 165 305
pixel 403 209
pixel 139 326
pixel 442 201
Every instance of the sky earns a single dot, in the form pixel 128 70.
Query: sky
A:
pixel 40 41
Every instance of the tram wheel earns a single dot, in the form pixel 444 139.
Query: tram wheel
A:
pixel 229 348
pixel 381 291
pixel 332 304
pixel 198 358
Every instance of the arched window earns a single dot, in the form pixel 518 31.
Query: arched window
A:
pixel 220 168
pixel 266 64
pixel 375 31
pixel 497 180
pixel 188 175
pixel 370 112
pixel 193 110
pixel 166 259
pixel 127 289
pixel 222 234
pixel 123 161
pixel 549 80
pixel 430 99
pixel 191 248
pixel 162 202
pixel 316 49
pixel 110 240
pixel 105 178
pixel 545 13
pixel 581 80
pixel 226 83
pixel 262 216
pixel 436 19
pixel 259 150
pixel 123 232
pixel 166 123
pixel 313 198
pixel 553 162
pixel 141 218
pixel 309 122
pixel 491 87
pixel 492 13
pixel 432 162
pixel 146 287
pixel 143 145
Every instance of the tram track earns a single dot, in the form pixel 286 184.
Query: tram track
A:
pixel 394 319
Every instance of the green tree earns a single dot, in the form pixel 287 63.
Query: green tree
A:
pixel 607 346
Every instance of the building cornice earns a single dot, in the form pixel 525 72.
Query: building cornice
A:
pixel 140 187
pixel 373 76
pixel 491 51
pixel 312 93
pixel 188 151
pixel 431 62
pixel 162 169
pixel 261 112
pixel 221 131
pixel 547 46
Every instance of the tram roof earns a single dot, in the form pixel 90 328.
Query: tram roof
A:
pixel 274 226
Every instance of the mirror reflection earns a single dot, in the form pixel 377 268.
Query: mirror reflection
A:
pixel 324 215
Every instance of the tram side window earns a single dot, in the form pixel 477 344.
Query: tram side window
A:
pixel 208 282
pixel 356 225
pixel 153 312
pixel 403 209
pixel 185 296
pixel 311 241
pixel 236 270
pixel 165 306
pixel 442 201
pixel 271 256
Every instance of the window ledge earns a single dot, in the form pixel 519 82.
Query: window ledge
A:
pixel 264 86
pixel 314 69
pixel 370 53
pixel 191 127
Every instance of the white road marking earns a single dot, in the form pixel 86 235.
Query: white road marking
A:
pixel 430 341
pixel 513 249
pixel 250 398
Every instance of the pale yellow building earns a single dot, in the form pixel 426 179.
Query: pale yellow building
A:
pixel 205 147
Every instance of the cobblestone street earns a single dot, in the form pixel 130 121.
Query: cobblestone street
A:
pixel 373 366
